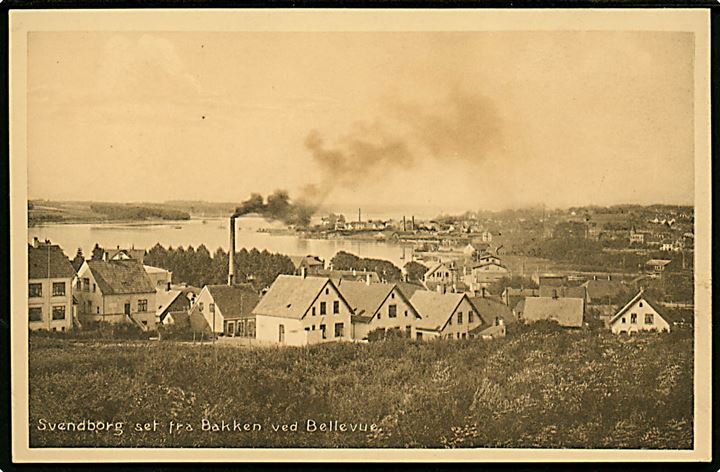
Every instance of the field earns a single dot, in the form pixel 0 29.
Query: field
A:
pixel 539 387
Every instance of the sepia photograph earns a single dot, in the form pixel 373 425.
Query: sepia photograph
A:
pixel 360 235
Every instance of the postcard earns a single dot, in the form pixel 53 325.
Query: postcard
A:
pixel 360 235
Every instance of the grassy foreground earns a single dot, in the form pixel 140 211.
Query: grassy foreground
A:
pixel 539 387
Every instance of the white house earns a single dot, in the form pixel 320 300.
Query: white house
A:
pixel 116 291
pixel 299 310
pixel 378 306
pixel 639 314
pixel 444 315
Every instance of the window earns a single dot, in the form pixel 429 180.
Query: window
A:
pixel 281 333
pixel 313 327
pixel 339 330
pixel 202 306
pixel 392 311
pixel 497 321
pixel 78 284
pixel 457 335
pixel 322 330
pixel 98 310
pixel 323 309
pixel 649 319
pixel 86 284
pixel 94 288
pixel 633 318
pixel 313 311
pixel 641 304
pixel 471 316
pixel 327 291
pixel 460 320
pixel 142 306
pixel 231 327
pixel 251 328
pixel 241 328
pixel 58 289
pixel 623 320
pixel 144 322
pixel 212 308
pixel 35 290
pixel 58 312
pixel 406 312
pixel 336 307
pixel 35 313
pixel 408 330
pixel 450 321
pixel 464 336
pixel 392 295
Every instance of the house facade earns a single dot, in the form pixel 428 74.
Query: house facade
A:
pixel 298 311
pixel 379 306
pixel 50 297
pixel 444 315
pixel 225 309
pixel 639 314
pixel 116 291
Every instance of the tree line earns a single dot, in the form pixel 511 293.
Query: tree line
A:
pixel 197 267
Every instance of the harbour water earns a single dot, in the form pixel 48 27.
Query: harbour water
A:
pixel 213 233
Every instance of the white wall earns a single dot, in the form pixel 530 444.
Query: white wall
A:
pixel 640 308
pixel 267 329
pixel 47 301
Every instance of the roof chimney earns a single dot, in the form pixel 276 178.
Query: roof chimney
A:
pixel 303 272
pixel 105 256
pixel 367 279
pixel 231 255
pixel 168 287
pixel 36 242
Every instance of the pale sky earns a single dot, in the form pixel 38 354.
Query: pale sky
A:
pixel 479 120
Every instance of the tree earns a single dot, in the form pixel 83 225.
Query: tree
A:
pixel 97 252
pixel 415 271
pixel 78 260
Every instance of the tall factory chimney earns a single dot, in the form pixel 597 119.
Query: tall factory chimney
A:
pixel 404 226
pixel 413 223
pixel 359 216
pixel 231 253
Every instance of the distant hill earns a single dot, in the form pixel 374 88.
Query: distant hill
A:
pixel 45 211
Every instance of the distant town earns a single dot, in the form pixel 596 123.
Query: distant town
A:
pixel 625 269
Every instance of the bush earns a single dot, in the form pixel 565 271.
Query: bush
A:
pixel 542 387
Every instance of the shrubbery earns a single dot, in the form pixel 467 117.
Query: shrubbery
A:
pixel 539 387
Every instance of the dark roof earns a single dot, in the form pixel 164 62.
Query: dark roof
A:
pixel 118 277
pixel 604 289
pixel 488 309
pixel 308 260
pixel 409 288
pixel 566 311
pixel 336 274
pixel 237 301
pixel 563 292
pixel 48 262
pixel 132 253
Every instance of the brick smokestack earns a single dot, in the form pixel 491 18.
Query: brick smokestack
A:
pixel 231 253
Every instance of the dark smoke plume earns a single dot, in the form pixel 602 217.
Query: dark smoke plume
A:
pixel 462 127
pixel 278 207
